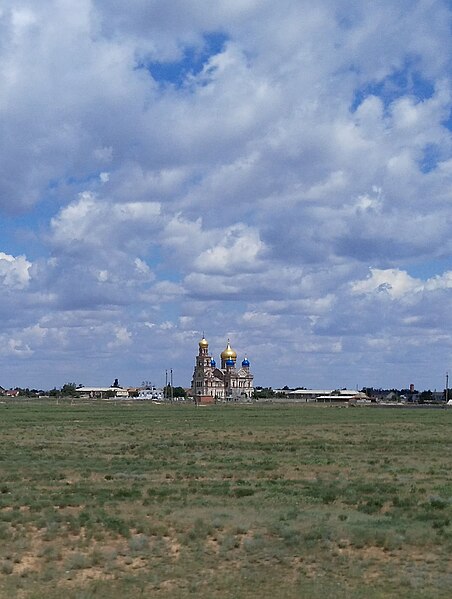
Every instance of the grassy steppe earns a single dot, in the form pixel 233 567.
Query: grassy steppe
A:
pixel 138 500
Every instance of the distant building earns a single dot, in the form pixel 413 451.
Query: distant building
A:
pixel 102 392
pixel 150 394
pixel 9 392
pixel 211 383
pixel 324 395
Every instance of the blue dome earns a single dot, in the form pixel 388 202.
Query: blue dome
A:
pixel 246 363
pixel 229 362
pixel 213 363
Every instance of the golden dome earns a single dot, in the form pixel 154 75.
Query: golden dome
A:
pixel 203 343
pixel 228 353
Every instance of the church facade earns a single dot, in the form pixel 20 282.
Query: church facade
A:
pixel 227 382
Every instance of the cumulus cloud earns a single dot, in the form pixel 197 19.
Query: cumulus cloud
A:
pixel 14 271
pixel 90 221
pixel 238 249
pixel 394 282
pixel 121 337
pixel 398 283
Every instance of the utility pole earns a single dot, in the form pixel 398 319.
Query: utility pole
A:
pixel 171 384
pixel 165 393
pixel 447 386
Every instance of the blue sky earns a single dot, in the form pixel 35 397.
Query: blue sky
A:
pixel 276 174
pixel 190 63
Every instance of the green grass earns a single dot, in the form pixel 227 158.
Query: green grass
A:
pixel 126 499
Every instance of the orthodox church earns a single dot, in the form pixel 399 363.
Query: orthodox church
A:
pixel 228 382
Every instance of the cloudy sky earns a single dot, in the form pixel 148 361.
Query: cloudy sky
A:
pixel 279 173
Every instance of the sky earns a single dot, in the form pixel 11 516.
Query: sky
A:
pixel 275 173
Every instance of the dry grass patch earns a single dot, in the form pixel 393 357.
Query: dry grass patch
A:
pixel 102 501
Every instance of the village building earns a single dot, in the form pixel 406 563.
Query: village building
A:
pixel 226 382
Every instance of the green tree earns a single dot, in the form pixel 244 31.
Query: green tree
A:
pixel 425 396
pixel 68 389
pixel 174 392
pixel 263 392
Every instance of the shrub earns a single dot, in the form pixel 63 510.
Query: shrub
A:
pixel 138 543
pixel 243 491
pixel 438 503
pixel 7 567
pixel 77 561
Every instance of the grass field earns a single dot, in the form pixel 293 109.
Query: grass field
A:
pixel 138 500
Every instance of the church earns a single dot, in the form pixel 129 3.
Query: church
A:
pixel 226 383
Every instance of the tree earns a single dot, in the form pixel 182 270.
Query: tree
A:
pixel 172 392
pixel 68 389
pixel 263 393
pixel 425 396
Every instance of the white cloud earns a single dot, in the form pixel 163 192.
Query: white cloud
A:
pixel 443 281
pixel 102 276
pixel 94 222
pixel 398 283
pixel 392 281
pixel 239 249
pixel 122 337
pixel 259 319
pixel 14 271
pixel 17 348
